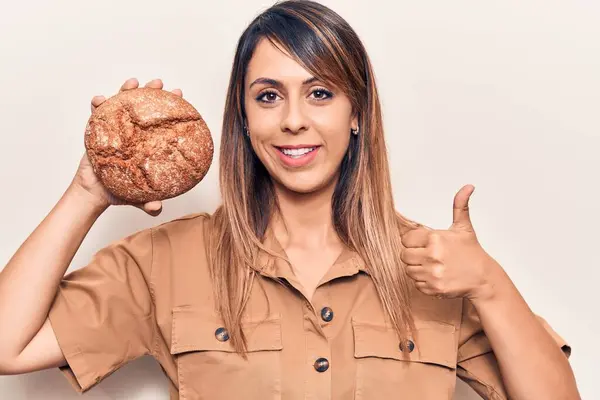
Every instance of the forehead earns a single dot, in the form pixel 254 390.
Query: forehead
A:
pixel 269 61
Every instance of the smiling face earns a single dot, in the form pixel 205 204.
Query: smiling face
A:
pixel 299 126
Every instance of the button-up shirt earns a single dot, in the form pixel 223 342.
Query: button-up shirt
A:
pixel 151 294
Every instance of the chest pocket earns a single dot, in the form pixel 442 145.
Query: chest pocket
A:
pixel 209 368
pixel 384 371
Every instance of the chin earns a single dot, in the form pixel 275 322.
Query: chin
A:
pixel 304 183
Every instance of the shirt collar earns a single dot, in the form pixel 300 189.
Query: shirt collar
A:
pixel 349 261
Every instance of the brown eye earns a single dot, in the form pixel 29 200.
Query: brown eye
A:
pixel 321 94
pixel 267 97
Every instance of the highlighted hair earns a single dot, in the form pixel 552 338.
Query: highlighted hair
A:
pixel 363 209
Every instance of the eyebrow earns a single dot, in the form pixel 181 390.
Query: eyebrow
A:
pixel 278 84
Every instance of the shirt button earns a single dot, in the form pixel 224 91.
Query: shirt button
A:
pixel 326 314
pixel 408 345
pixel 222 335
pixel 321 365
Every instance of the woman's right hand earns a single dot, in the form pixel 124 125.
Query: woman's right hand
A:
pixel 85 177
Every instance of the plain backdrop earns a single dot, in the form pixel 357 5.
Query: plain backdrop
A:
pixel 503 95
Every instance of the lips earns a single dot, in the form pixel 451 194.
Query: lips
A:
pixel 299 152
pixel 297 155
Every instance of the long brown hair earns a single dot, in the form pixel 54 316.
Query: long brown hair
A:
pixel 363 209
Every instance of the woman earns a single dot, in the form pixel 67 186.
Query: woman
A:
pixel 305 282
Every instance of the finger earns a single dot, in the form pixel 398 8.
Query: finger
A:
pixel 414 256
pixel 96 101
pixel 417 272
pixel 153 207
pixel 149 208
pixel 130 83
pixel 178 92
pixel 460 209
pixel 154 213
pixel 425 288
pixel 416 238
pixel 155 83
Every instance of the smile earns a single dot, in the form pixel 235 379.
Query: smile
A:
pixel 297 156
pixel 297 153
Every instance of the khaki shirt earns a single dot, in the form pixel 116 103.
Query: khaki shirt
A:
pixel 151 294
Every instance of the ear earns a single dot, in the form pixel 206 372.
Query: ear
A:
pixel 355 121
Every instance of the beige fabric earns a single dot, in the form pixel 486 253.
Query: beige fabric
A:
pixel 151 294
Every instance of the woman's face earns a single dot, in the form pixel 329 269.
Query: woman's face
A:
pixel 299 127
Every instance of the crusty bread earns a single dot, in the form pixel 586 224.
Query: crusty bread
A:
pixel 148 144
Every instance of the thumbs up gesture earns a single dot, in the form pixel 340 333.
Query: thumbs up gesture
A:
pixel 449 263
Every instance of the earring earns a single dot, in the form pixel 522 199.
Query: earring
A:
pixel 246 130
pixel 354 131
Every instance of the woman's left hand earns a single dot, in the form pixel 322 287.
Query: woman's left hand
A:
pixel 450 263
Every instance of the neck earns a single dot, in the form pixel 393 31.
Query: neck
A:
pixel 304 219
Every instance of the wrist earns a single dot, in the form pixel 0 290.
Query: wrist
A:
pixel 84 201
pixel 494 283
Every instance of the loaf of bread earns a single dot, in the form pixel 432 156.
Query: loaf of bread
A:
pixel 148 144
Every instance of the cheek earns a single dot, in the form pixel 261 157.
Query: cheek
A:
pixel 265 123
pixel 334 127
pixel 261 139
pixel 336 139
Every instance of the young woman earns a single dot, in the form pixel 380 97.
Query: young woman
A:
pixel 305 282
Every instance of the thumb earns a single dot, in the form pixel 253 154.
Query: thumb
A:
pixel 460 211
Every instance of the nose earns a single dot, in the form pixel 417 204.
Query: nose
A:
pixel 294 119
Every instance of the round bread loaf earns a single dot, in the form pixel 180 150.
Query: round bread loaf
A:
pixel 148 144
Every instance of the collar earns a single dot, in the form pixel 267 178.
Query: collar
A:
pixel 275 262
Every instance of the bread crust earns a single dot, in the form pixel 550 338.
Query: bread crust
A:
pixel 148 144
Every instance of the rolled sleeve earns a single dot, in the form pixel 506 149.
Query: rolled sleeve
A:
pixel 477 364
pixel 103 313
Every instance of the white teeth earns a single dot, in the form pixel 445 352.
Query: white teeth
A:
pixel 297 152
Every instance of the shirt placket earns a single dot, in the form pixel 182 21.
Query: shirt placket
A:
pixel 319 328
pixel 318 322
pixel 318 355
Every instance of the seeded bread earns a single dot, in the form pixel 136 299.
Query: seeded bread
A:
pixel 148 144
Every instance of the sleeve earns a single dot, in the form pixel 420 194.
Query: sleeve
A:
pixel 103 314
pixel 477 365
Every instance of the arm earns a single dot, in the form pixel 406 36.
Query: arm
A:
pixel 504 350
pixel 531 364
pixel 31 277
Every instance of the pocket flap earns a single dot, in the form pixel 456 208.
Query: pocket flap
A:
pixel 436 342
pixel 194 329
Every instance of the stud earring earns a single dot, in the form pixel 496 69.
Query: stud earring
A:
pixel 246 130
pixel 354 131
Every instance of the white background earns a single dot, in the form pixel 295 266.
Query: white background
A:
pixel 503 95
